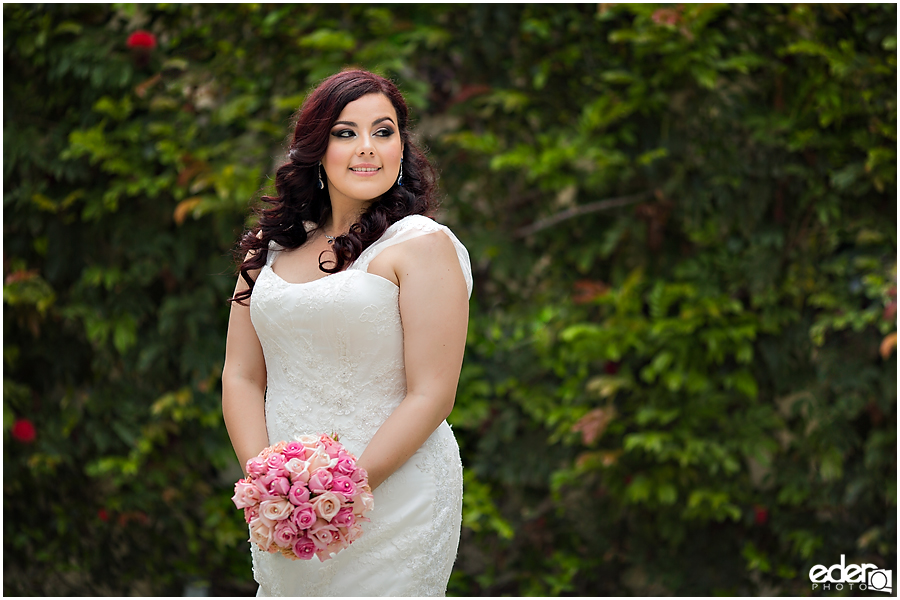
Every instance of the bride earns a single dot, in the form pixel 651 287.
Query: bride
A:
pixel 350 316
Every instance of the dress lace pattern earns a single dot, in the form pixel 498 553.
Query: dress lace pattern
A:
pixel 334 357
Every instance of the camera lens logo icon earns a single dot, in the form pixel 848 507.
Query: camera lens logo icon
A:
pixel 880 581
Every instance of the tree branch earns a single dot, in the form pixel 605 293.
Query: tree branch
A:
pixel 578 211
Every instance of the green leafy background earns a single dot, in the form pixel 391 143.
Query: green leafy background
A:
pixel 679 376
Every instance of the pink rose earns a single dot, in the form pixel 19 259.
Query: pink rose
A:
pixel 363 502
pixel 304 517
pixel 359 475
pixel 345 465
pixel 323 534
pixel 256 466
pixel 327 505
pixel 343 486
pixel 299 494
pixel 332 448
pixel 304 548
pixel 277 486
pixel 319 460
pixel 251 512
pixel 275 464
pixel 285 533
pixel 294 450
pixel 297 470
pixel 344 518
pixel 245 494
pixel 332 548
pixel 263 489
pixel 320 482
pixel 265 479
pixel 276 510
pixel 354 532
pixel 261 534
pixel 323 554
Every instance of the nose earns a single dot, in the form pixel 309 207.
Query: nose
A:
pixel 365 146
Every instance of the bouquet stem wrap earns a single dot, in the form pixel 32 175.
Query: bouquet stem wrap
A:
pixel 304 498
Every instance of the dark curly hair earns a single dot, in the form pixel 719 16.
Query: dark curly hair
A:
pixel 299 199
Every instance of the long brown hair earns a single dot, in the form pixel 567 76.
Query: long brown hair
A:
pixel 299 198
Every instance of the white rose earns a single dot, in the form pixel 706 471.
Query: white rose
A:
pixel 298 470
pixel 276 510
pixel 261 534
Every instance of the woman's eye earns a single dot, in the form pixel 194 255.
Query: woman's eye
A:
pixel 343 133
pixel 384 132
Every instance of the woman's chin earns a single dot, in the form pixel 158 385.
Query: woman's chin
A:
pixel 361 192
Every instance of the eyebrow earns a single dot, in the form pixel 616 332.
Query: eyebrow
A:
pixel 375 122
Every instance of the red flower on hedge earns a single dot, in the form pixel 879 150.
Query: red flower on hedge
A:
pixel 104 516
pixel 142 39
pixel 23 431
pixel 760 514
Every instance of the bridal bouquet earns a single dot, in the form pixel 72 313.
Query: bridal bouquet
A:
pixel 304 498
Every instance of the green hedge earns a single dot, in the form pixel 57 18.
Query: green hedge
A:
pixel 682 218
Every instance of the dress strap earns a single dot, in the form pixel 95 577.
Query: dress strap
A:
pixel 411 227
pixel 274 251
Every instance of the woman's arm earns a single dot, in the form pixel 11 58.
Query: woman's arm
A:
pixel 434 309
pixel 244 383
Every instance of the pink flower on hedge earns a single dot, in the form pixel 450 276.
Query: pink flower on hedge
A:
pixel 142 39
pixel 669 16
pixel 23 431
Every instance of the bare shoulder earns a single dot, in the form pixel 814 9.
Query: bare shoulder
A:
pixel 432 253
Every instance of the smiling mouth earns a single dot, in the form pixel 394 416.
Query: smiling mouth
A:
pixel 365 169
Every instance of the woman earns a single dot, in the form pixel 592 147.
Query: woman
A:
pixel 356 324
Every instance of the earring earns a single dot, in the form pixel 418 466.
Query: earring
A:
pixel 321 183
pixel 400 176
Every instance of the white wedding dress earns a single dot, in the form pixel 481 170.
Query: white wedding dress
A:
pixel 334 357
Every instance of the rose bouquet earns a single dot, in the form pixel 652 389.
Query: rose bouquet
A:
pixel 304 498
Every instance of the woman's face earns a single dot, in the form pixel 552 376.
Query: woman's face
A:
pixel 362 160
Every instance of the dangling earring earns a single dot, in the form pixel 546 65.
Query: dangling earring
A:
pixel 400 176
pixel 321 183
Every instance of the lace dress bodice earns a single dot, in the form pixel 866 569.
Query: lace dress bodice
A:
pixel 333 349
